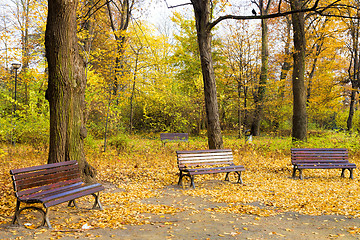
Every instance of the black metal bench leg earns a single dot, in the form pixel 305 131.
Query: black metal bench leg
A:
pixel 343 172
pixel 239 178
pixel 227 176
pixel 97 203
pixel 72 203
pixel 300 174
pixel 294 172
pixel 16 215
pixel 351 173
pixel 192 182
pixel 180 178
pixel 46 218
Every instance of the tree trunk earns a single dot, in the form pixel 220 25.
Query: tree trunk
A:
pixel 354 73
pixel 26 48
pixel 239 107
pixel 66 87
pixel 349 121
pixel 286 65
pixel 124 14
pixel 299 128
pixel 260 95
pixel 133 93
pixel 202 17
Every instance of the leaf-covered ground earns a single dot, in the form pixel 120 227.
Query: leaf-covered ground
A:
pixel 141 189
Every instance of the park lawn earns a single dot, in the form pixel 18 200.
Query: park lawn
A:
pixel 144 168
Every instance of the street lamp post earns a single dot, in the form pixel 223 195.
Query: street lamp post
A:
pixel 15 67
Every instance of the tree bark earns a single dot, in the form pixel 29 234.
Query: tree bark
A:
pixel 349 122
pixel 299 128
pixel 286 65
pixel 354 73
pixel 119 27
pixel 202 18
pixel 260 95
pixel 66 87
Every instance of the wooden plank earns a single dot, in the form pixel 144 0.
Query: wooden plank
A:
pixel 40 167
pixel 30 183
pixel 52 191
pixel 69 192
pixel 46 187
pixel 44 172
pixel 74 196
pixel 204 151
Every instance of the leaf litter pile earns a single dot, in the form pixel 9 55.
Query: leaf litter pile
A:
pixel 143 172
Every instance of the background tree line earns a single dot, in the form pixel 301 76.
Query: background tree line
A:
pixel 146 78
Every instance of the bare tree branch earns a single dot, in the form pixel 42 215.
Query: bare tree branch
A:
pixel 314 8
pixel 175 6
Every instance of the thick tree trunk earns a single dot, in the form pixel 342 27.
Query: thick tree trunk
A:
pixel 202 17
pixel 299 130
pixel 66 87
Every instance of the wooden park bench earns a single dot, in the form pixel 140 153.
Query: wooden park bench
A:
pixel 174 137
pixel 321 158
pixel 51 184
pixel 198 162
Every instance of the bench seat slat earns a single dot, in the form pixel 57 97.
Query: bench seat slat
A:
pixel 73 196
pixel 213 170
pixel 50 192
pixel 206 160
pixel 46 179
pixel 46 187
pixel 40 167
pixel 47 171
pixel 326 166
pixel 70 191
pixel 200 164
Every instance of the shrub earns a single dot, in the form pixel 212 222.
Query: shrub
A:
pixel 120 142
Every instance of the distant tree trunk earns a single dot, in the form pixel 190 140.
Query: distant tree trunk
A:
pixel 260 95
pixel 202 17
pixel 299 128
pixel 354 72
pixel 286 65
pixel 119 26
pixel 25 46
pixel 66 87
pixel 318 49
pixel 349 122
pixel 239 107
pixel 133 91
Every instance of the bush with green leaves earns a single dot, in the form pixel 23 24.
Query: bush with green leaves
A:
pixel 120 142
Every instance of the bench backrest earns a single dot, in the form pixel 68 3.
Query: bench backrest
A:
pixel 197 158
pixel 168 137
pixel 319 155
pixel 44 177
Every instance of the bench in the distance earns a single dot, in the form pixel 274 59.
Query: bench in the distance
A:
pixel 174 137
pixel 198 162
pixel 51 184
pixel 321 158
